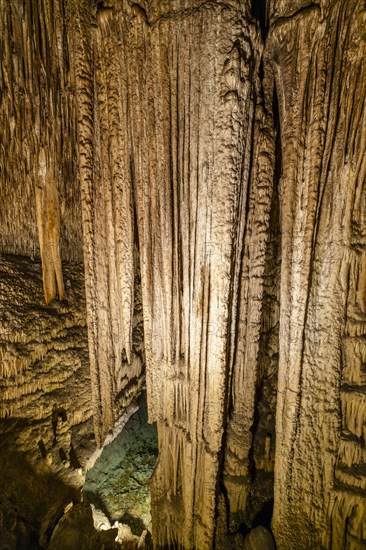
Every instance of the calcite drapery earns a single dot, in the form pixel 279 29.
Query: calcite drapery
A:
pixel 110 244
pixel 193 103
pixel 166 164
pixel 318 60
pixel 180 180
pixel 38 136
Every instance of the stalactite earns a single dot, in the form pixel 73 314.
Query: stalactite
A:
pixel 43 352
pixel 37 167
pixel 48 220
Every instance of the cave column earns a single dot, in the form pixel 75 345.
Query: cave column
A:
pixel 192 102
pixel 316 54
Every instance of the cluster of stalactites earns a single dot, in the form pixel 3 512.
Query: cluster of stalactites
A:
pixel 38 185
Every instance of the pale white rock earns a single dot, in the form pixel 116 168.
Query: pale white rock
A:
pixel 125 534
pixel 100 520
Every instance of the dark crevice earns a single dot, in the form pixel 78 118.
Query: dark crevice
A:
pixel 259 12
pixel 264 516
pixel 263 429
pixel 304 10
pixel 42 448
pixel 278 150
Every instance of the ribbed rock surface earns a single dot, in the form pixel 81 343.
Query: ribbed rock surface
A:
pixel 222 175
pixel 318 57
pixel 45 381
pixel 39 187
pixel 46 429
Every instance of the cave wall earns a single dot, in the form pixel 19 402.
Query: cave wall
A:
pixel 44 352
pixel 318 63
pixel 43 180
pixel 215 164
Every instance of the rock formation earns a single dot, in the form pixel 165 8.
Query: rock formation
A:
pixel 43 353
pixel 319 476
pixel 210 157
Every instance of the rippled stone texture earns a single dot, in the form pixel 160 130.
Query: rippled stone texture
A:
pixel 221 168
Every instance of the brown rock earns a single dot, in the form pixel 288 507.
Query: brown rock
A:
pixel 259 539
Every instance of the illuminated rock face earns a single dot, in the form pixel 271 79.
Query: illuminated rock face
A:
pixel 219 167
pixel 45 379
pixel 319 476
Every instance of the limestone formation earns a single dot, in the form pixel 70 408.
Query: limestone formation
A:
pixel 43 352
pixel 318 63
pixel 39 186
pixel 206 162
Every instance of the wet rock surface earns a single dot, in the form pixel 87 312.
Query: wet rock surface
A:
pixel 119 482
